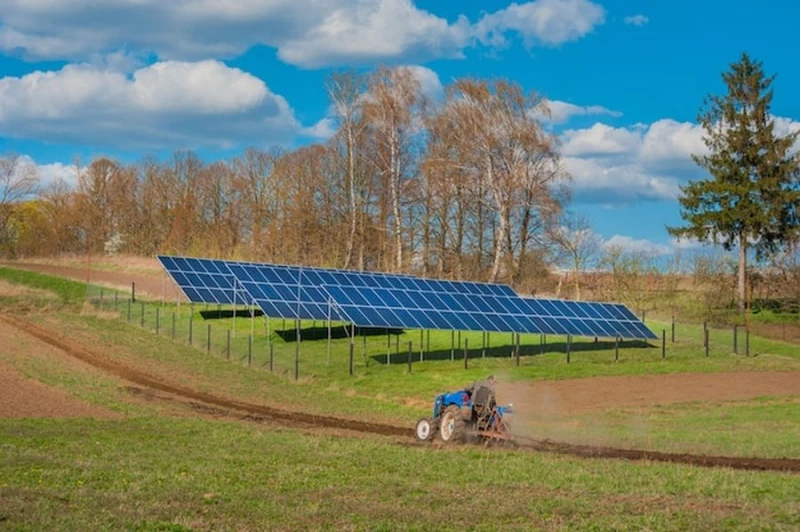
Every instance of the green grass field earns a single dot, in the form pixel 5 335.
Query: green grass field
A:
pixel 157 468
pixel 179 474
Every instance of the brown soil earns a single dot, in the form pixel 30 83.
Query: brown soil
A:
pixel 26 398
pixel 154 286
pixel 156 383
pixel 212 404
pixel 579 396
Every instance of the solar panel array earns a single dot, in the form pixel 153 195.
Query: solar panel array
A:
pixel 397 301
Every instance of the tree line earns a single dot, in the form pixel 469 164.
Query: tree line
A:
pixel 463 186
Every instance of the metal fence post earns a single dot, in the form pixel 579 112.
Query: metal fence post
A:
pixel 142 313
pixel 410 349
pixel 352 348
pixel 569 346
pixel 616 349
pixel 736 339
pixel 483 344
pixel 516 349
pixel 271 356
pixel 297 352
pixel 228 345
pixel 673 329
pixel 663 343
pixel 133 291
pixel 466 353
pixel 747 341
pixel 452 345
pixel 705 341
pixel 421 345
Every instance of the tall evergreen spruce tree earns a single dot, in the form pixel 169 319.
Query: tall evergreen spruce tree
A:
pixel 752 195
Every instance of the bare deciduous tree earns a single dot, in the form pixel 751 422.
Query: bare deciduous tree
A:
pixel 393 99
pixel 575 240
pixel 18 179
pixel 345 91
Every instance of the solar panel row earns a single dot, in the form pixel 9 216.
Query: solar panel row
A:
pixel 428 310
pixel 397 301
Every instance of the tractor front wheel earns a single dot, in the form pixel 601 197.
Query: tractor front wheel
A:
pixel 451 428
pixel 424 430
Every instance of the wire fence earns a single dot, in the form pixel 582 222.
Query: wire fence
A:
pixel 244 336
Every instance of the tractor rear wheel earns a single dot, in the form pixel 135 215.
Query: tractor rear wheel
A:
pixel 424 430
pixel 451 427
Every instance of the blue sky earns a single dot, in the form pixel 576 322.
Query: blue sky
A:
pixel 128 78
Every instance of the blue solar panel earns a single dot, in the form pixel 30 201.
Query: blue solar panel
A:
pixel 581 318
pixel 417 308
pixel 294 292
pixel 203 280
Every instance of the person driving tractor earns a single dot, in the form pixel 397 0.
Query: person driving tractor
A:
pixel 482 393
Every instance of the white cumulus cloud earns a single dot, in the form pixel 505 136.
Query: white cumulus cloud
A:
pixel 549 22
pixel 600 139
pixel 561 112
pixel 307 33
pixel 620 165
pixel 167 104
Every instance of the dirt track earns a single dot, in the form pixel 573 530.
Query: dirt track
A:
pixel 152 285
pixel 300 419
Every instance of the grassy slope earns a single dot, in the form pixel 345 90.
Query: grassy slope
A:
pixel 152 471
pixel 148 473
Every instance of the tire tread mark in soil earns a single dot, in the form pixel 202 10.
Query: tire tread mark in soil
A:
pixel 305 419
pixel 143 379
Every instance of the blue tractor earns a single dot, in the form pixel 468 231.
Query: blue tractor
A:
pixel 466 415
